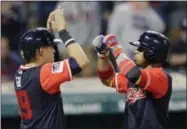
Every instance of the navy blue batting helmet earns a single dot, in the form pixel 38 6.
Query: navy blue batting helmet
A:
pixel 35 39
pixel 156 46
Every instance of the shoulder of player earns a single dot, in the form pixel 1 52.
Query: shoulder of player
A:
pixel 55 67
pixel 25 69
pixel 159 72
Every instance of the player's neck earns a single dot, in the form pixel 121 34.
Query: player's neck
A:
pixel 149 67
pixel 34 63
pixel 153 66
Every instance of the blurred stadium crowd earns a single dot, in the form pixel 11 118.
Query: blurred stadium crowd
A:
pixel 88 19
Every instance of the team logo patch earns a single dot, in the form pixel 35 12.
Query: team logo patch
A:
pixel 57 67
pixel 134 94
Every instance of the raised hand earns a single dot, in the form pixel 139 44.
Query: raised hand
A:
pixel 100 46
pixel 56 21
pixel 112 43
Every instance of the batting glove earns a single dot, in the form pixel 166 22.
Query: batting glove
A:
pixel 100 46
pixel 112 43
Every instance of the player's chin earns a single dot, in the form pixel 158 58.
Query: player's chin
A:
pixel 51 60
pixel 137 62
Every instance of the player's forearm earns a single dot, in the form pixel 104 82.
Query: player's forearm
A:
pixel 103 64
pixel 105 70
pixel 74 49
pixel 109 77
pixel 124 64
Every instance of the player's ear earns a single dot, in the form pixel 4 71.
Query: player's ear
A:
pixel 41 51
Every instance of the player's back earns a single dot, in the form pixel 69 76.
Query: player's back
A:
pixel 38 109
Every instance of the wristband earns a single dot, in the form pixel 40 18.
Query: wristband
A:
pixel 66 37
pixel 103 56
pixel 106 74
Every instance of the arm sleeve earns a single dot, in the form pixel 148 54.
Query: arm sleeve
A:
pixel 53 74
pixel 120 83
pixel 117 81
pixel 154 81
pixel 126 65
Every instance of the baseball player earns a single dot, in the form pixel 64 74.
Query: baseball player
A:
pixel 37 83
pixel 146 85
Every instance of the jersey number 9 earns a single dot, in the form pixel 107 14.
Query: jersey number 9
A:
pixel 24 105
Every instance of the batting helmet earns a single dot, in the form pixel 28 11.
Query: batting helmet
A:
pixel 156 46
pixel 35 39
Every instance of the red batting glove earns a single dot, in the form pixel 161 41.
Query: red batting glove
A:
pixel 112 43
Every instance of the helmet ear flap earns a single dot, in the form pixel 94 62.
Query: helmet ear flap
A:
pixel 148 55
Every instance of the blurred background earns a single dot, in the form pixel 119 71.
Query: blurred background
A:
pixel 87 103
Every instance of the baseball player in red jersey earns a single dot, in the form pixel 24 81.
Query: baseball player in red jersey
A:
pixel 147 86
pixel 37 83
